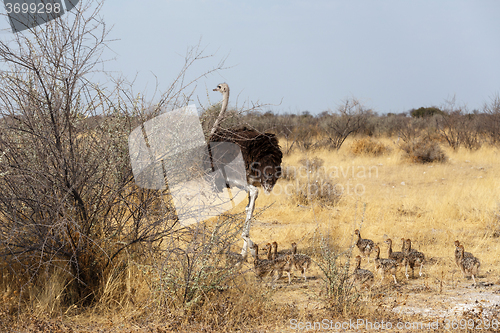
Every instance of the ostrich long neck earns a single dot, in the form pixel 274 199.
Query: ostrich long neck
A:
pixel 225 101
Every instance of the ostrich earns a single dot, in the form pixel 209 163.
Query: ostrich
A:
pixel 398 256
pixel 468 265
pixel 412 258
pixel 362 276
pixel 301 261
pixel 282 262
pixel 262 267
pixel 385 266
pixel 365 246
pixel 262 155
pixel 457 253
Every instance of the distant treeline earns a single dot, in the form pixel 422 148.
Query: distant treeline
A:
pixel 455 126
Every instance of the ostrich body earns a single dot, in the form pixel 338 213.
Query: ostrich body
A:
pixel 362 276
pixel 262 267
pixel 365 246
pixel 457 253
pixel 282 262
pixel 262 156
pixel 468 265
pixel 277 254
pixel 398 256
pixel 300 261
pixel 412 258
pixel 385 266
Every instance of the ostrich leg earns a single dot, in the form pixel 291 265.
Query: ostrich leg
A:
pixel 253 192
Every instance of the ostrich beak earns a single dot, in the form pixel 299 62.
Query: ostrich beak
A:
pixel 215 89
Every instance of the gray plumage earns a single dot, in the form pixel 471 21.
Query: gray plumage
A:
pixel 412 259
pixel 365 246
pixel 385 266
pixel 395 255
pixel 457 253
pixel 300 261
pixel 262 267
pixel 468 265
pixel 362 276
pixel 281 262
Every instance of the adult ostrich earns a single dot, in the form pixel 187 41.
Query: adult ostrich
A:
pixel 262 155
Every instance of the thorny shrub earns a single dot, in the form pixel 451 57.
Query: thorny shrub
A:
pixel 367 146
pixel 312 184
pixel 423 151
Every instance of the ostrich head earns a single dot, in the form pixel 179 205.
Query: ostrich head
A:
pixel 261 151
pixel 358 261
pixel 223 88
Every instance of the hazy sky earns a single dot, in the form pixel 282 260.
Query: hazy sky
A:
pixel 392 55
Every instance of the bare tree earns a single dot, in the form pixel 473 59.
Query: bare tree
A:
pixel 491 119
pixel 350 117
pixel 458 127
pixel 67 196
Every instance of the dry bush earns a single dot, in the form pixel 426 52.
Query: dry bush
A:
pixel 311 184
pixel 232 118
pixel 459 128
pixel 189 271
pixel 368 146
pixel 68 202
pixel 490 120
pixel 288 172
pixel 312 165
pixel 349 119
pixel 319 191
pixel 341 297
pixel 423 151
pixel 304 136
pixel 242 308
pixel 193 283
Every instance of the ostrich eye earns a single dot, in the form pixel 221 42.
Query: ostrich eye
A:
pixel 219 86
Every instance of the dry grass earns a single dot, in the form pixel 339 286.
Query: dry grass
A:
pixel 433 204
pixel 368 146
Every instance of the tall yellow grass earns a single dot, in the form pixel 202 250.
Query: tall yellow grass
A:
pixel 433 204
pixel 384 195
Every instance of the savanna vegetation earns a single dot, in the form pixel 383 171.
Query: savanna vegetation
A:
pixel 83 248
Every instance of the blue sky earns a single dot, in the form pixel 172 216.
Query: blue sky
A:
pixel 311 55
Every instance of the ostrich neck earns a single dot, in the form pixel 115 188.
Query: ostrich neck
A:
pixel 225 101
